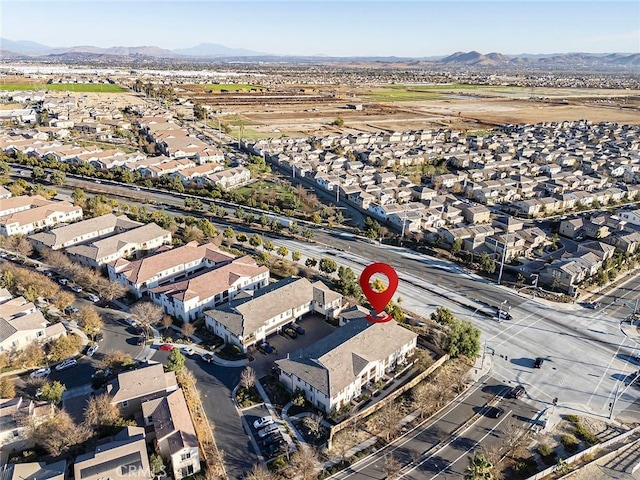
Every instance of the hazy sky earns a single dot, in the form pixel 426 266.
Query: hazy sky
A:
pixel 419 28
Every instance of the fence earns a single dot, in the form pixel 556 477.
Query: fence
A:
pixel 377 406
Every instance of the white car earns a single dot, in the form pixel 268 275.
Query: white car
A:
pixel 267 430
pixel 68 363
pixel 63 281
pixel 76 288
pixel 130 321
pixel 93 297
pixel 187 350
pixel 92 349
pixel 263 422
pixel 41 372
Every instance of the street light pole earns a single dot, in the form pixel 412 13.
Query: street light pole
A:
pixel 504 254
pixel 535 284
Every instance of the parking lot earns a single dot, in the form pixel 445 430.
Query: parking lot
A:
pixel 271 445
pixel 315 328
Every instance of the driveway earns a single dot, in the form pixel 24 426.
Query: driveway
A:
pixel 215 384
pixel 315 328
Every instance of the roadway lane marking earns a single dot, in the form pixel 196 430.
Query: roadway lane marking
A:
pixel 517 324
pixel 453 440
pixel 613 357
pixel 371 458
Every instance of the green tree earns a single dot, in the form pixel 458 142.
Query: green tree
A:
pixel 347 283
pixel 296 256
pixel 316 218
pixel 479 468
pixel 199 111
pixel 156 464
pixel 456 246
pixel 396 312
pixel 242 237
pixel 283 251
pixel 443 316
pixel 58 177
pixel 463 339
pixel 311 262
pixel 78 196
pixel 228 233
pixel 176 361
pixel 328 265
pixel 38 173
pixel 208 229
pixel 255 240
pixel 269 246
pixel 338 122
pixel 52 391
pixel 307 233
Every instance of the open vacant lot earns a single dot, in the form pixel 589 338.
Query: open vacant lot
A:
pixel 70 87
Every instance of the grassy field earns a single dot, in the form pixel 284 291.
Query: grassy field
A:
pixel 230 87
pixel 264 186
pixel 71 87
pixel 394 95
pixel 416 93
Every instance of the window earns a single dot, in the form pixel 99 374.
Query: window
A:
pixel 188 470
pixel 124 404
pixel 185 456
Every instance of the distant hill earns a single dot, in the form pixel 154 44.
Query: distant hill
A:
pixel 212 51
pixel 216 50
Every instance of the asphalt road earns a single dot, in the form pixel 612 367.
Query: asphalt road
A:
pixel 436 444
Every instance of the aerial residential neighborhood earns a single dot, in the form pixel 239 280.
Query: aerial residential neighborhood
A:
pixel 199 245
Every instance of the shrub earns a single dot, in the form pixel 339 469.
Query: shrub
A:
pixel 585 435
pixel 547 454
pixel 572 419
pixel 569 442
pixel 525 467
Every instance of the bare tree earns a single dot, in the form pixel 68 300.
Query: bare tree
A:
pixel 147 314
pixel 248 378
pixel 167 321
pixel 100 412
pixel 306 463
pixel 387 420
pixel 111 290
pixel 392 466
pixel 258 472
pixel 58 433
pixel 188 329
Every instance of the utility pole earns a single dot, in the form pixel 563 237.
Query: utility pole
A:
pixel 504 254
pixel 404 222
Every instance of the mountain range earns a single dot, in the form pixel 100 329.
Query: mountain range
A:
pixel 23 49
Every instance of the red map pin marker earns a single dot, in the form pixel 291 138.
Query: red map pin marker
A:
pixel 379 300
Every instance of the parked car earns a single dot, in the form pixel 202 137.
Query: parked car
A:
pixel 76 288
pixel 290 332
pixel 68 363
pixel 130 321
pixel 267 430
pixel 495 412
pixel 99 337
pixel 41 372
pixel 266 348
pixel 517 391
pixel 92 297
pixel 263 422
pixel 70 310
pixel 275 449
pixel 63 281
pixel 92 349
pixel 299 329
pixel 187 351
pixel 166 347
pixel 207 357
pixel 139 341
pixel 275 437
pixel 592 305
pixel 538 362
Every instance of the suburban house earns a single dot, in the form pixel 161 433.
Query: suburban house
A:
pixel 130 389
pixel 21 323
pixel 231 177
pixel 170 265
pixel 188 298
pixel 134 242
pixel 250 320
pixel 13 432
pixel 571 227
pixel 23 215
pixel 630 216
pixel 337 368
pixel 90 229
pixel 122 457
pixel 174 435
pixel 34 471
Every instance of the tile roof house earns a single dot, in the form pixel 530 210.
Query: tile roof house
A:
pixel 248 321
pixel 90 229
pixel 122 457
pixel 188 298
pixel 21 323
pixel 129 243
pixel 338 367
pixel 34 471
pixel 168 265
pixel 173 432
pixel 130 389
pixel 24 214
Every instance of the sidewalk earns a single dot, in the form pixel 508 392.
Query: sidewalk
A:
pixel 631 328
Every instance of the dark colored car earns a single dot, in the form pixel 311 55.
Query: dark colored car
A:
pixel 275 449
pixel 299 329
pixel 139 341
pixel 274 438
pixel 266 348
pixel 538 362
pixel 207 357
pixel 495 412
pixel 517 392
pixel 99 337
pixel 291 332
